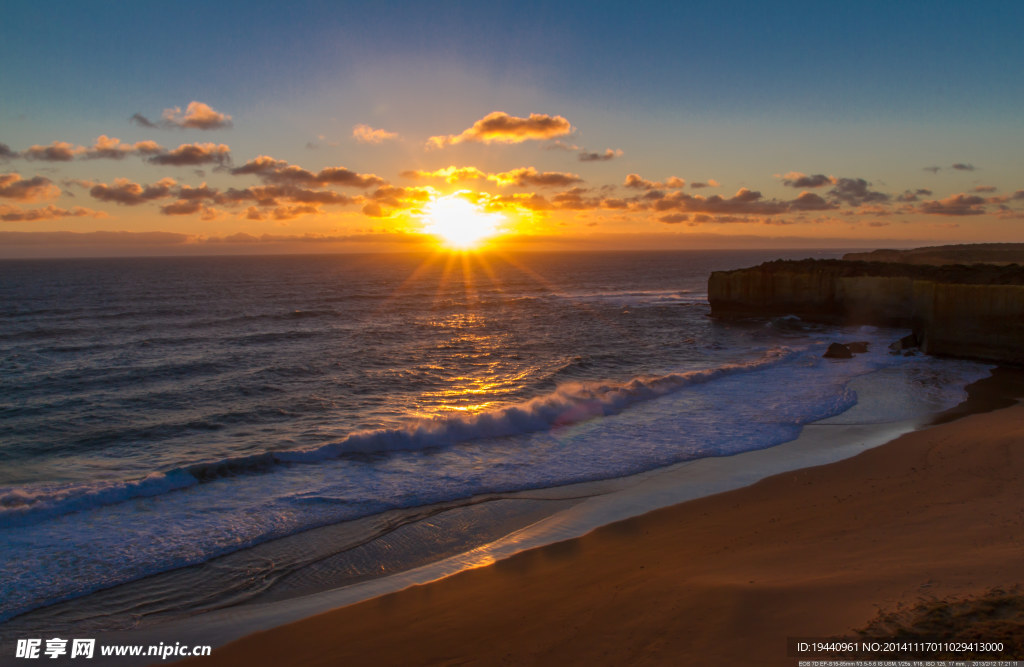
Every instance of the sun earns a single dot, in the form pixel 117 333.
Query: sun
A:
pixel 458 222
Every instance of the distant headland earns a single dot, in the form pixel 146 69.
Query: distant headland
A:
pixel 962 301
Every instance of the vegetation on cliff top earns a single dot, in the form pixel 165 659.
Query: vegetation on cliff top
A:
pixel 975 274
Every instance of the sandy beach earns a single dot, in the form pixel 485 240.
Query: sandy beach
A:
pixel 934 515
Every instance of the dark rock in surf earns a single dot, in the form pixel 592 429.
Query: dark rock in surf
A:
pixel 838 351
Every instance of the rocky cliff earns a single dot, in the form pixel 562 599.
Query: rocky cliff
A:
pixel 974 312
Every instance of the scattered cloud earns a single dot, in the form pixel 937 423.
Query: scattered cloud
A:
pixel 500 127
pixel 744 202
pixel 6 153
pixel 367 135
pixel 450 174
pixel 809 201
pixel 139 119
pixel 128 193
pixel 529 176
pixel 961 204
pixel 639 183
pixel 608 154
pixel 13 214
pixel 13 186
pixel 112 148
pixel 674 218
pixel 795 179
pixel 854 191
pixel 959 166
pixel 182 207
pixel 710 183
pixel 197 116
pixel 560 145
pixel 984 188
pixel 58 151
pixel 278 171
pixel 522 176
pixel 193 155
pixel 913 195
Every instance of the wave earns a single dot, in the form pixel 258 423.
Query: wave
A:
pixel 570 403
pixel 636 297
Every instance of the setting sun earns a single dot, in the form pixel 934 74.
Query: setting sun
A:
pixel 459 223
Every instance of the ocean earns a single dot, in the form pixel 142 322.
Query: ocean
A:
pixel 169 427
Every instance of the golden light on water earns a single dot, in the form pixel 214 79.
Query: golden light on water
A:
pixel 459 223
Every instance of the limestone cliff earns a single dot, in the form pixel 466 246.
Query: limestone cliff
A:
pixel 974 312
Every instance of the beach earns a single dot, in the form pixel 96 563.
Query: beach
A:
pixel 817 552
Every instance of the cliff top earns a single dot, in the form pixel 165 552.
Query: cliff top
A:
pixel 975 274
pixel 977 253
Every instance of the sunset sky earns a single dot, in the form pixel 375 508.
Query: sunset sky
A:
pixel 199 127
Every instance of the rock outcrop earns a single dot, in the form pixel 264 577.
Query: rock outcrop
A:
pixel 974 312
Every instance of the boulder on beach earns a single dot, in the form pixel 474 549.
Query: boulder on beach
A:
pixel 838 351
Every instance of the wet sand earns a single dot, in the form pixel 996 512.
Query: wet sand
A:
pixel 724 579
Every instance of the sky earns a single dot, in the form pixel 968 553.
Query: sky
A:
pixel 263 127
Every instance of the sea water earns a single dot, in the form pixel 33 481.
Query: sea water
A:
pixel 159 413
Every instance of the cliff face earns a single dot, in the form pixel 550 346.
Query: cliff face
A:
pixel 972 321
pixel 968 312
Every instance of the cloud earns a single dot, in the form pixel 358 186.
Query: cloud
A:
pixel 13 214
pixel 105 147
pixel 530 176
pixel 139 119
pixel 13 186
pixel 58 151
pixel 297 194
pixel 560 145
pixel 499 127
pixel 367 135
pixel 854 191
pixel 198 116
pixel 675 218
pixel 292 211
pixel 374 210
pixel 959 166
pixel 450 174
pixel 182 207
pixel 639 183
pixel 909 196
pixel 984 188
pixel 795 179
pixel 128 193
pixel 744 202
pixel 961 204
pixel 192 155
pixel 278 171
pixel 202 192
pixel 608 154
pixel 522 176
pixel 809 201
pixel 113 148
pixel 710 183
